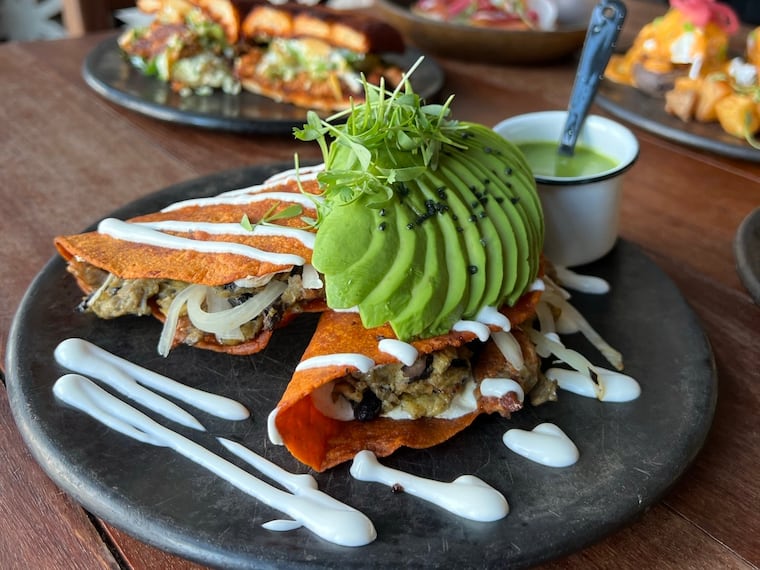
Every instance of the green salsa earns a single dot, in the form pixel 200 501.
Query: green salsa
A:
pixel 544 160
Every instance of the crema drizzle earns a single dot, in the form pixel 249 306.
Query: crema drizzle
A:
pixel 307 507
pixel 141 234
pixel 466 496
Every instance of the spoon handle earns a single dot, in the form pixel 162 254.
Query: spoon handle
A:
pixel 604 27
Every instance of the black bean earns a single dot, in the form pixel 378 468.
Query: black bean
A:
pixel 368 408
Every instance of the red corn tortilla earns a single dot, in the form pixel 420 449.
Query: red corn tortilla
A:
pixel 322 442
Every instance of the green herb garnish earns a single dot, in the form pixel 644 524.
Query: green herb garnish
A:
pixel 271 215
pixel 390 137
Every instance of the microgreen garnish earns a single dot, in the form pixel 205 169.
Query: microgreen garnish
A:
pixel 390 137
pixel 271 215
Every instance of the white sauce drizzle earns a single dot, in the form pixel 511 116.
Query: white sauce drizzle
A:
pixel 583 283
pixel 137 234
pixel 400 350
pixel 272 432
pixel 466 496
pixel 86 358
pixel 492 316
pixel 320 513
pixel 498 387
pixel 509 348
pixel 301 485
pixel 546 444
pixel 354 309
pixel 310 278
pixel 306 200
pixel 236 229
pixel 478 329
pixel 337 408
pixel 358 361
pixel 611 386
pixel 537 285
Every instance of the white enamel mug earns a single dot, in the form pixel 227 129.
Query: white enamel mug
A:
pixel 582 213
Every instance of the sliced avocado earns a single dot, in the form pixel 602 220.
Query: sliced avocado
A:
pixel 513 229
pixel 470 234
pixel 508 164
pixel 393 292
pixel 372 248
pixel 333 252
pixel 459 180
pixel 455 250
pixel 431 291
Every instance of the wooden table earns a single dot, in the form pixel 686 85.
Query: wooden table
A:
pixel 68 158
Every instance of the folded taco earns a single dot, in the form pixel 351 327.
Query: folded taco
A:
pixel 216 283
pixel 358 388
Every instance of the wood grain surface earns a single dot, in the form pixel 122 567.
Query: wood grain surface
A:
pixel 68 157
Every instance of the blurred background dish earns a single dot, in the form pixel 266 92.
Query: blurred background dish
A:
pixel 647 112
pixel 747 253
pixel 110 74
pixel 491 45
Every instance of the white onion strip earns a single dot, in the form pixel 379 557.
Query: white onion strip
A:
pixel 172 316
pixel 221 322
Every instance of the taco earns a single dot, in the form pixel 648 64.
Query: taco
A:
pixel 217 283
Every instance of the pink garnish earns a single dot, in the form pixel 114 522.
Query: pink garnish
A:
pixel 702 12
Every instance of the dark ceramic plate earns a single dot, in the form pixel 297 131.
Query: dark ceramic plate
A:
pixel 483 45
pixel 747 252
pixel 649 113
pixel 630 453
pixel 107 71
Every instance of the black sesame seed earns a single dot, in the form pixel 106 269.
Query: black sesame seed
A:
pixel 487 149
pixel 472 269
pixel 508 171
pixel 499 199
pixel 382 226
pixel 454 217
pixel 482 215
pixel 410 226
pixel 472 218
pixel 382 211
pixel 482 241
pixel 460 229
pixel 515 200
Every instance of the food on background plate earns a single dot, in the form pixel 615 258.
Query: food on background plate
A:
pixel 500 14
pixel 313 57
pixel 310 56
pixel 215 283
pixel 683 57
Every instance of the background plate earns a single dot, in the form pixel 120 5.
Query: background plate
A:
pixel 485 45
pixel 107 71
pixel 747 253
pixel 649 113
pixel 630 453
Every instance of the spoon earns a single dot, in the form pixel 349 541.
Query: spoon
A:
pixel 603 29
